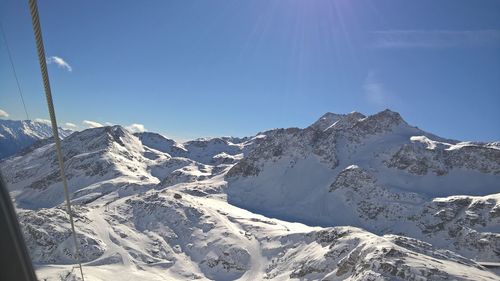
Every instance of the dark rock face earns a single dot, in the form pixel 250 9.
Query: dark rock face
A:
pixel 352 178
pixel 419 160
pixel 321 138
pixel 462 219
pixel 243 168
pixel 292 142
pixel 48 236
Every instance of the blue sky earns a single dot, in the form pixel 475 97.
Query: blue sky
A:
pixel 205 68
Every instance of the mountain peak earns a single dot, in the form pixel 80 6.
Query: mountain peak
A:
pixel 382 120
pixel 389 114
pixel 329 119
pixel 161 143
pixel 386 118
pixel 103 137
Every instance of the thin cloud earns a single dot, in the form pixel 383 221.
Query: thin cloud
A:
pixel 91 124
pixel 3 114
pixel 44 121
pixel 136 128
pixel 60 62
pixel 71 125
pixel 375 91
pixel 407 39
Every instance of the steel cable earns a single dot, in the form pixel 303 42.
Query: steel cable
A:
pixel 48 94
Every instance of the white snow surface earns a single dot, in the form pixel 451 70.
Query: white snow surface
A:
pixel 348 198
pixel 16 135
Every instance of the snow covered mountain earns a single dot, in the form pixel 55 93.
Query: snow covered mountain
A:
pixel 378 173
pixel 207 150
pixel 16 135
pixel 348 198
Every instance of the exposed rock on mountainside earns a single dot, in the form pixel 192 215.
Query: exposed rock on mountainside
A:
pixel 206 151
pixel 375 172
pixel 207 239
pixel 149 208
pixel 48 236
pixel 425 155
pixel 16 135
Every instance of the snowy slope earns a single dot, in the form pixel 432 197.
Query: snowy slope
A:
pixel 148 208
pixel 97 161
pixel 171 235
pixel 161 143
pixel 224 150
pixel 16 135
pixel 378 173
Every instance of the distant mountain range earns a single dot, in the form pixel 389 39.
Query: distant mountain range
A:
pixel 16 135
pixel 351 197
